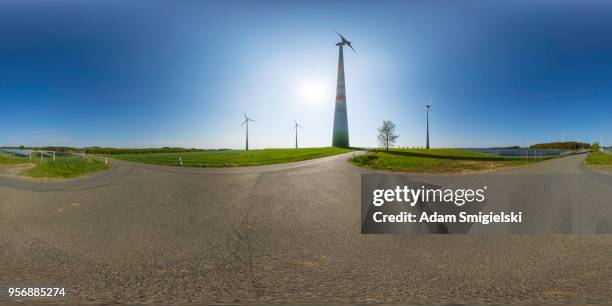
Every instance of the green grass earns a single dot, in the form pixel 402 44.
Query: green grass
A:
pixel 232 158
pixel 434 161
pixel 65 167
pixel 13 160
pixel 600 159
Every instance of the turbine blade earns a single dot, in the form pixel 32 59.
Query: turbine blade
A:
pixel 352 48
pixel 344 40
pixel 341 37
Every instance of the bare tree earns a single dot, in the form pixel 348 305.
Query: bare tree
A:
pixel 386 134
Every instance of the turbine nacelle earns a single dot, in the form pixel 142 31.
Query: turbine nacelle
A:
pixel 344 42
pixel 297 125
pixel 246 119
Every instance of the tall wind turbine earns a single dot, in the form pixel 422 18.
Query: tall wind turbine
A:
pixel 340 136
pixel 428 110
pixel 295 127
pixel 246 121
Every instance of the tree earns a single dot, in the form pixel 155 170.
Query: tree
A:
pixel 595 147
pixel 386 134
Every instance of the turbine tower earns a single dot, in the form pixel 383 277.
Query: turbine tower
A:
pixel 246 121
pixel 295 127
pixel 340 134
pixel 428 110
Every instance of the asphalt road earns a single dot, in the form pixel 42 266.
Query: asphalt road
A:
pixel 291 233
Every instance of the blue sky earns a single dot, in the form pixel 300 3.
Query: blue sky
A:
pixel 181 73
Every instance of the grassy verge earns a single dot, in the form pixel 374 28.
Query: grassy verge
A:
pixel 232 158
pixel 435 161
pixel 65 167
pixel 600 159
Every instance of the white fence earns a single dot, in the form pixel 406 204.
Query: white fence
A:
pixel 37 154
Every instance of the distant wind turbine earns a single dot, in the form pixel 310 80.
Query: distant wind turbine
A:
pixel 246 121
pixel 428 109
pixel 295 127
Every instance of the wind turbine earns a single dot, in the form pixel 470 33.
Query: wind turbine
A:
pixel 295 127
pixel 428 109
pixel 246 120
pixel 563 138
pixel 340 135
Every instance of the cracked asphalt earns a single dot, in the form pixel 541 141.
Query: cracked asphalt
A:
pixel 282 233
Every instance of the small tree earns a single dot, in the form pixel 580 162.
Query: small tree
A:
pixel 595 147
pixel 386 134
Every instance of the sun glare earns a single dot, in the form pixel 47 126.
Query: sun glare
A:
pixel 314 92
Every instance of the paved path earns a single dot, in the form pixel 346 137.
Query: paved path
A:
pixel 284 233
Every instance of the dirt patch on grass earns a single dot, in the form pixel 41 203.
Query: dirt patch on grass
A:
pixel 484 166
pixel 14 170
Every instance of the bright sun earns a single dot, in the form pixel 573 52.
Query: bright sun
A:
pixel 313 91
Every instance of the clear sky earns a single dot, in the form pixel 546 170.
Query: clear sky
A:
pixel 181 73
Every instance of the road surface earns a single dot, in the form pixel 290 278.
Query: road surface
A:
pixel 291 233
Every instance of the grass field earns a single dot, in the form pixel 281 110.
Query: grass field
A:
pixel 64 167
pixel 435 161
pixel 232 158
pixel 600 159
